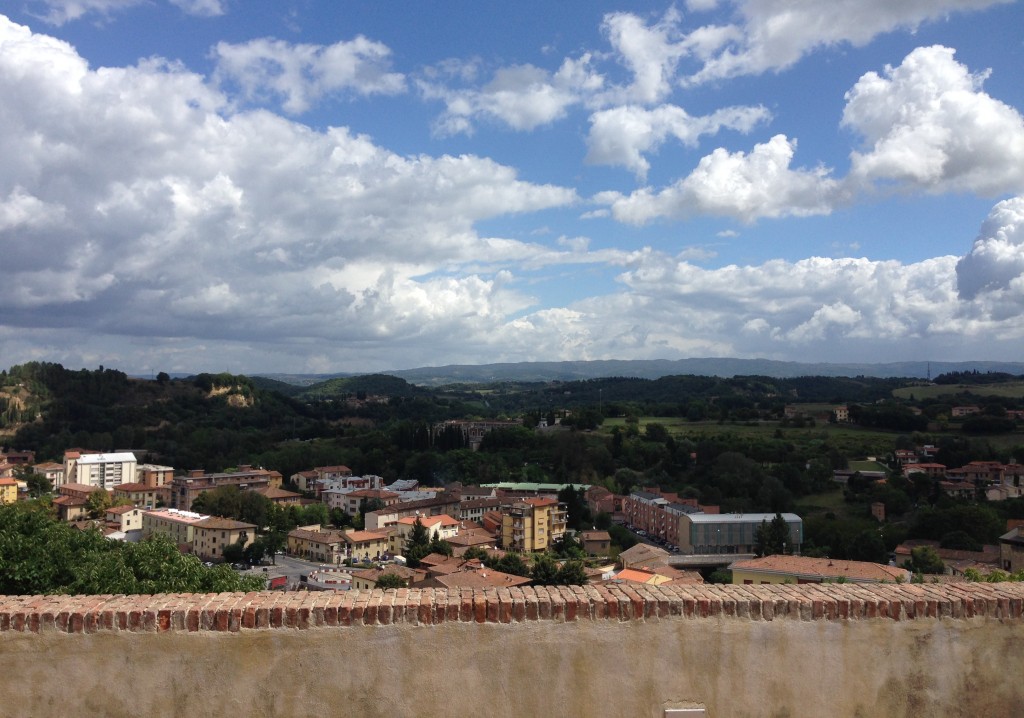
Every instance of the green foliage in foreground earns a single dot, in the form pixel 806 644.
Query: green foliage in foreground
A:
pixel 39 555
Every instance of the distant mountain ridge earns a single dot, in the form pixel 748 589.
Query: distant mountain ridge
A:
pixel 657 368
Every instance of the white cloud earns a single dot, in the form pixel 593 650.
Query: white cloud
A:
pixel 201 8
pixel 623 135
pixel 995 263
pixel 132 206
pixel 744 186
pixel 775 34
pixel 650 52
pixel 928 125
pixel 302 74
pixel 523 97
pixel 59 12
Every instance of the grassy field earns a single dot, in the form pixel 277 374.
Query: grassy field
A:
pixel 867 466
pixel 850 440
pixel 1013 390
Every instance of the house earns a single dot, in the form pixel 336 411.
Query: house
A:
pixel 279 496
pixel 352 501
pixel 389 516
pixel 154 475
pixel 143 495
pixel 443 527
pixel 474 509
pixel 644 554
pixel 474 574
pixel 959 412
pixel 596 543
pixel 929 469
pixel 52 471
pixel 212 534
pixel 365 545
pixel 1011 550
pixel 177 525
pixel 316 544
pixel 8 491
pixel 471 536
pixel 126 519
pixel 956 560
pixel 185 489
pixel 532 524
pixel 807 569
pixel 366 578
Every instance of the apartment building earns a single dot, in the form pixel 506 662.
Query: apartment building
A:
pixel 731 533
pixel 105 471
pixel 212 534
pixel 532 524
pixel 177 525
pixel 185 489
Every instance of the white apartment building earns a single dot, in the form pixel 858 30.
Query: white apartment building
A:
pixel 106 471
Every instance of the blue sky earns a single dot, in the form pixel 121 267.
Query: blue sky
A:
pixel 313 186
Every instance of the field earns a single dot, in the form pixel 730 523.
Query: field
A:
pixel 1011 390
pixel 850 440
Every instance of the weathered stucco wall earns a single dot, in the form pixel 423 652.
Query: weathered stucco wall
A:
pixel 837 650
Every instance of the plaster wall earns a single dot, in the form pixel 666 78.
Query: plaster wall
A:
pixel 732 665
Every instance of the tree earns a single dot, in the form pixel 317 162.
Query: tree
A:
pixel 417 545
pixel 390 580
pixel 36 482
pixel 772 538
pixel 868 545
pixel 234 552
pixel 510 563
pixel 98 503
pixel 475 552
pixel 545 570
pixel 925 559
pixel 571 573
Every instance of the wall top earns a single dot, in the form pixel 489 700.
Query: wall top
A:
pixel 303 610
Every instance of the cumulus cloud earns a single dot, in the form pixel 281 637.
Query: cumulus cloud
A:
pixel 201 8
pixel 522 97
pixel 928 125
pixel 744 186
pixel 133 205
pixel 301 74
pixel 995 263
pixel 623 135
pixel 775 34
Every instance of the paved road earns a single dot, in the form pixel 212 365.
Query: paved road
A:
pixel 288 566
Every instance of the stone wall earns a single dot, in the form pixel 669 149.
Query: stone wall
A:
pixel 813 650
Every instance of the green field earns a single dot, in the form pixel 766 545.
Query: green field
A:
pixel 1012 390
pixel 867 466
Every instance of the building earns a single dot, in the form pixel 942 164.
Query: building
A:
pixel 390 515
pixel 366 579
pixel 126 519
pixel 185 489
pixel 351 501
pixel 805 569
pixel 8 491
pixel 143 495
pixel 532 524
pixel 472 432
pixel 154 475
pixel 52 471
pixel 212 534
pixel 1011 550
pixel 175 524
pixel 316 544
pixel 279 496
pixel 596 543
pixel 731 533
pixel 365 545
pixel 105 471
pixel 442 526
pixel 644 555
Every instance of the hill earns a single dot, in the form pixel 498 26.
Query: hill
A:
pixel 657 368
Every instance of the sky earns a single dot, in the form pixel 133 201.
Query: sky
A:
pixel 319 186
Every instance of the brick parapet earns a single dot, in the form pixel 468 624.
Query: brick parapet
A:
pixel 234 612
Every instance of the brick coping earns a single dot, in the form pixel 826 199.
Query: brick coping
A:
pixel 233 612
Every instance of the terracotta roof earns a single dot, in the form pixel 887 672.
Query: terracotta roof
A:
pixel 134 487
pixel 481 578
pixel 821 568
pixel 541 502
pixel 120 509
pixel 596 536
pixel 274 493
pixel 353 536
pixel 640 576
pixel 644 554
pixel 430 521
pixel 215 522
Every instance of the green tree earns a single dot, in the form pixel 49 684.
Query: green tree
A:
pixel 571 573
pixel 390 580
pixel 925 559
pixel 417 545
pixel 98 503
pixel 234 552
pixel 475 552
pixel 545 570
pixel 772 538
pixel 510 563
